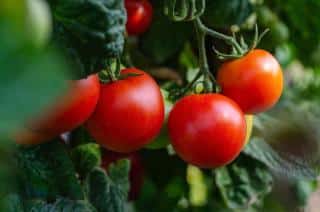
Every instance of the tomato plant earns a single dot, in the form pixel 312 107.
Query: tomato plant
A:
pixel 129 113
pixel 207 130
pixel 160 105
pixel 254 81
pixel 139 14
pixel 68 112
pixel 136 174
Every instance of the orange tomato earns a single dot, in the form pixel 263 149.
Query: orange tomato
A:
pixel 254 81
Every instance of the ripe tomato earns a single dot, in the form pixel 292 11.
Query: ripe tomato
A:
pixel 129 113
pixel 70 111
pixel 136 173
pixel 254 81
pixel 207 130
pixel 139 14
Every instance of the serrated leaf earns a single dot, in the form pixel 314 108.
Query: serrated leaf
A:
pixel 282 163
pixel 46 171
pixel 85 157
pixel 244 183
pixel 60 205
pixel 109 193
pixel 89 32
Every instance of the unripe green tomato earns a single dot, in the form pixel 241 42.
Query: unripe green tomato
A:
pixel 162 140
pixel 38 22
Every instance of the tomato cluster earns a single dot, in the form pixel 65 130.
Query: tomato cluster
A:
pixel 207 130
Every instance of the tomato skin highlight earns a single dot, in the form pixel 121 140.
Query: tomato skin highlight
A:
pixel 207 130
pixel 139 16
pixel 70 111
pixel 254 82
pixel 136 173
pixel 129 113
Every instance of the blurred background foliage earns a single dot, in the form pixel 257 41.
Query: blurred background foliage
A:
pixel 276 172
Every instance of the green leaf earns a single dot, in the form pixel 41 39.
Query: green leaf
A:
pixel 244 183
pixel 60 205
pixel 287 140
pixel 303 189
pixel 187 58
pixel 47 172
pixel 85 157
pixel 279 162
pixel 89 32
pixel 224 14
pixel 108 193
pixel 12 203
pixel 305 32
pixel 165 38
pixel 162 140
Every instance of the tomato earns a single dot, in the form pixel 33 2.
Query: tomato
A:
pixel 129 114
pixel 254 81
pixel 70 111
pixel 136 173
pixel 139 14
pixel 207 130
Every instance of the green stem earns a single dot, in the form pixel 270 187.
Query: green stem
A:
pixel 110 75
pixel 203 62
pixel 192 83
pixel 229 39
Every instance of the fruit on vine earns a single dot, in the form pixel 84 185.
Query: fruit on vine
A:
pixel 70 111
pixel 129 113
pixel 139 16
pixel 136 173
pixel 254 82
pixel 207 130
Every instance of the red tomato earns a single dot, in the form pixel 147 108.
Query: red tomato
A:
pixel 136 174
pixel 207 130
pixel 70 111
pixel 254 81
pixel 129 113
pixel 139 14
